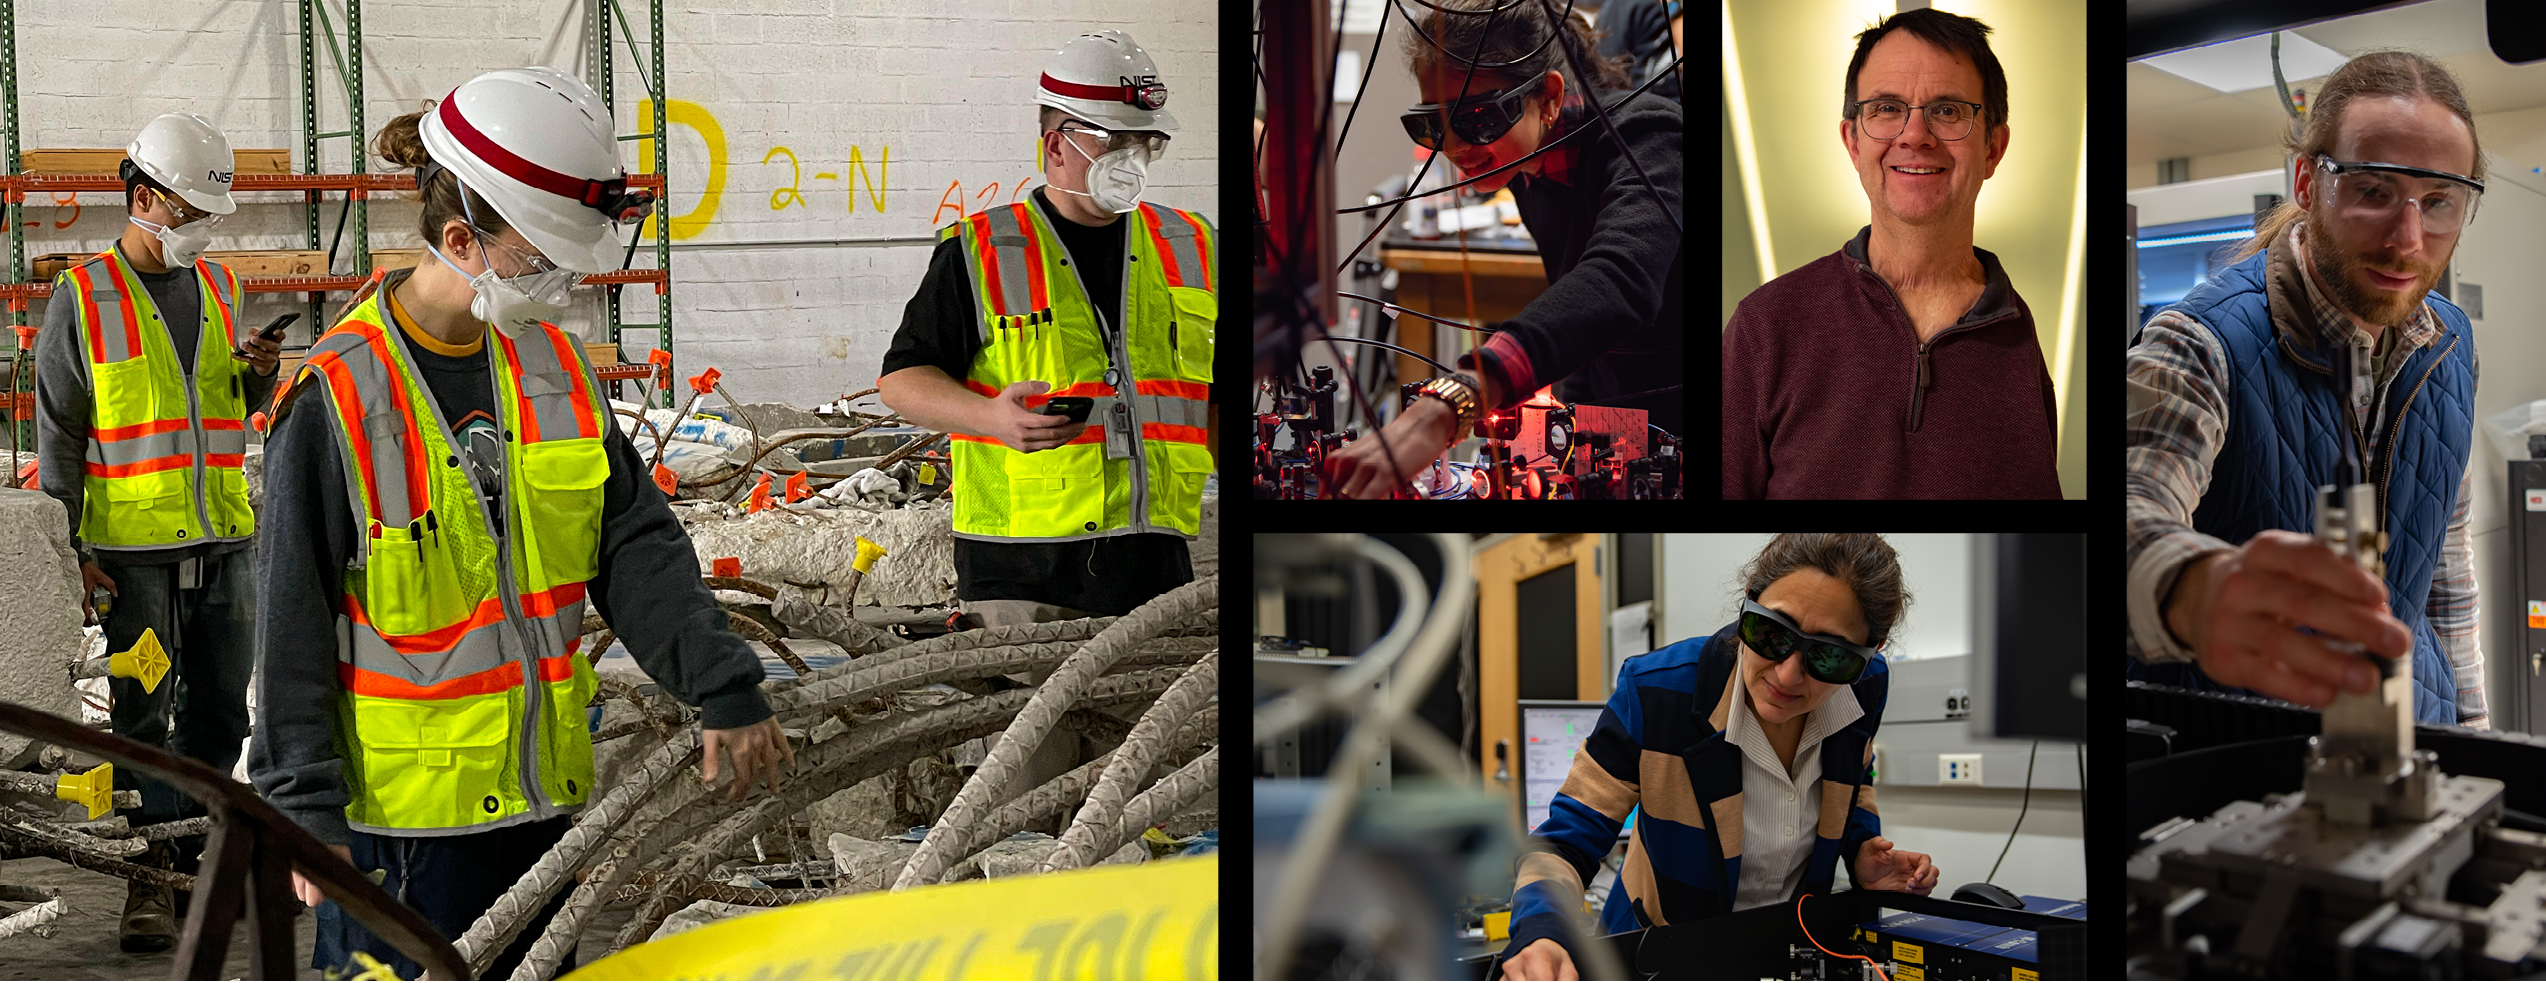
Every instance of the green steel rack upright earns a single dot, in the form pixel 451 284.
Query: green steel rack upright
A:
pixel 604 13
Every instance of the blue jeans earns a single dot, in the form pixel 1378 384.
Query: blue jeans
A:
pixel 450 880
pixel 200 709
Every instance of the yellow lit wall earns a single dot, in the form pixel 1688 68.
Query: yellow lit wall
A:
pixel 1795 184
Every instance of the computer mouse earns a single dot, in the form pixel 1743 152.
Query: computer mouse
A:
pixel 1983 892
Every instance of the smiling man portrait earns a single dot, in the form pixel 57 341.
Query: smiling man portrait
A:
pixel 1902 365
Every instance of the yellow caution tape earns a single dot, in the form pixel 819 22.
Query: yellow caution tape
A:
pixel 145 661
pixel 867 554
pixel 1152 921
pixel 96 790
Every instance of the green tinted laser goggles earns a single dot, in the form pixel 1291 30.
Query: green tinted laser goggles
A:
pixel 1830 660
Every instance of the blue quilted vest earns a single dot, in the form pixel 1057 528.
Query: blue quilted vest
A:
pixel 2285 420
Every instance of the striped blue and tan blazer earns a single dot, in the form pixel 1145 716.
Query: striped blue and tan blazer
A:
pixel 1661 745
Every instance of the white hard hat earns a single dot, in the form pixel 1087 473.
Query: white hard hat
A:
pixel 1105 79
pixel 536 144
pixel 186 154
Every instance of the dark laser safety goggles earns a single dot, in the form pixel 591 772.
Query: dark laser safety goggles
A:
pixel 1478 119
pixel 1830 660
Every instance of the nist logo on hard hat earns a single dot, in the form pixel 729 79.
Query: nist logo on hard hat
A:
pixel 221 176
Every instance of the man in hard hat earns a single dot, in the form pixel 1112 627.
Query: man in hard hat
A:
pixel 1086 292
pixel 143 380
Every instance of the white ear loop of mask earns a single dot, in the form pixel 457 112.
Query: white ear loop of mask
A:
pixel 1114 179
pixel 180 245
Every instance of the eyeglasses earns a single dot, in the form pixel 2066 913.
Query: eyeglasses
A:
pixel 2371 193
pixel 1882 119
pixel 1830 660
pixel 188 214
pixel 1479 119
pixel 1114 140
pixel 546 282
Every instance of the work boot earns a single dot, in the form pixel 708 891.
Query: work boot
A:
pixel 150 922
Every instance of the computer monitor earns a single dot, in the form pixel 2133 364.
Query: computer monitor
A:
pixel 1551 731
pixel 2028 671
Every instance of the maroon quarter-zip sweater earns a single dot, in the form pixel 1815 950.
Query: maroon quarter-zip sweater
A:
pixel 1829 394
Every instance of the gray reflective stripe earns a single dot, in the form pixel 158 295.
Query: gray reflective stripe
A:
pixel 549 387
pixel 1179 235
pixel 1009 243
pixel 531 815
pixel 218 278
pixel 1175 410
pixel 134 450
pixel 475 652
pixel 225 441
pixel 384 424
pixel 106 310
pixel 1133 530
pixel 480 650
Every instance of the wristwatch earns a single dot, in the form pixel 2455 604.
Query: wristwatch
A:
pixel 1460 393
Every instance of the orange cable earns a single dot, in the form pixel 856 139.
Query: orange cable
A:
pixel 1816 943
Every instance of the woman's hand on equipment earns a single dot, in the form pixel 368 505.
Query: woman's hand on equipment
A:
pixel 757 749
pixel 1418 436
pixel 1540 960
pixel 307 890
pixel 1879 867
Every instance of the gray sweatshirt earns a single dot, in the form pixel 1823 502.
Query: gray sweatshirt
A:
pixel 63 402
pixel 648 589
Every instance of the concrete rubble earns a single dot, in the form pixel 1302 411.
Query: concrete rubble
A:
pixel 41 610
pixel 795 570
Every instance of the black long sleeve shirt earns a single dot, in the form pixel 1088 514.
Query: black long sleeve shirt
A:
pixel 1610 322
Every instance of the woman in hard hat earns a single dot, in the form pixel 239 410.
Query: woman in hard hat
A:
pixel 1750 752
pixel 1499 82
pixel 446 495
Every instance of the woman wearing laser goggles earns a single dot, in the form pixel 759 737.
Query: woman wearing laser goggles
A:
pixel 1750 752
pixel 1505 101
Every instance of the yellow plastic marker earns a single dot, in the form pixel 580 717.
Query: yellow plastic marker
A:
pixel 1154 921
pixel 96 790
pixel 867 553
pixel 1498 926
pixel 372 969
pixel 145 661
pixel 927 474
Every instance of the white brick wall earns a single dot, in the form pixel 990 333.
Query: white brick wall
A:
pixel 946 86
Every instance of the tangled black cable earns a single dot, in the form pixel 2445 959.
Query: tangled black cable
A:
pixel 1282 264
pixel 1297 317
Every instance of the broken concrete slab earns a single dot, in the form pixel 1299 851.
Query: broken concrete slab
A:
pixel 917 571
pixel 40 612
pixel 868 865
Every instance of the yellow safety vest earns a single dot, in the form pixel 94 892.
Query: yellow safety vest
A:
pixel 166 450
pixel 1141 464
pixel 445 624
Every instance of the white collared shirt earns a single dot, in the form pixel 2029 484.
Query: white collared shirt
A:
pixel 1780 808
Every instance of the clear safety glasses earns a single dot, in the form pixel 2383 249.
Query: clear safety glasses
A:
pixel 1115 140
pixel 545 282
pixel 2371 193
